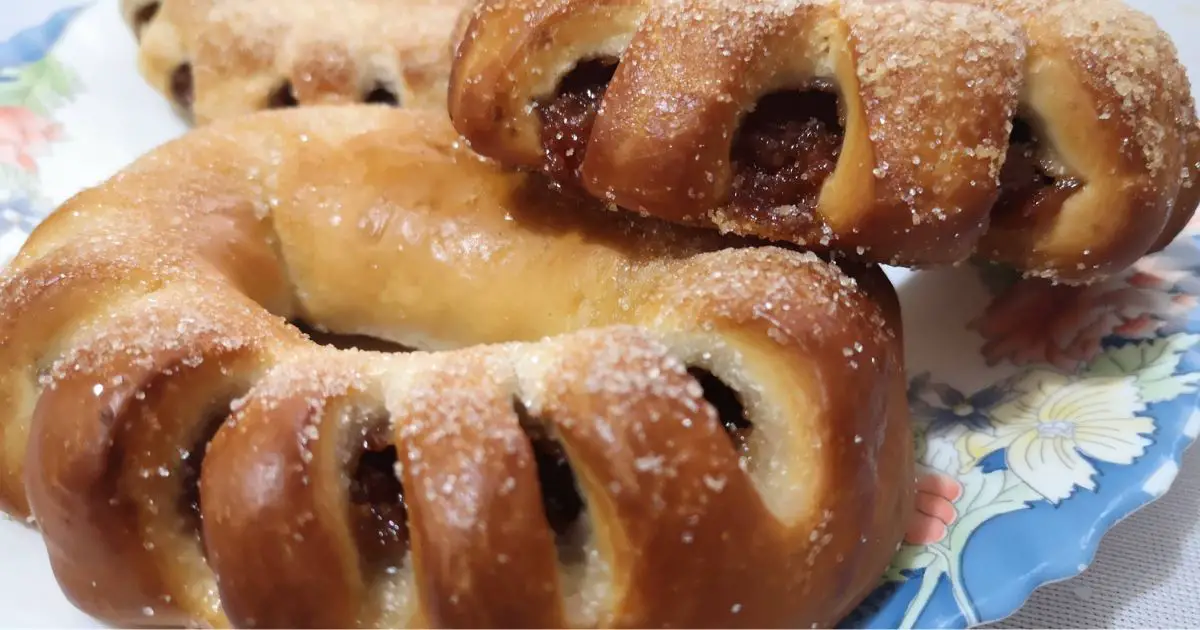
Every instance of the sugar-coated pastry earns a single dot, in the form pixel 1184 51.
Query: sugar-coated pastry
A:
pixel 609 421
pixel 220 58
pixel 1058 137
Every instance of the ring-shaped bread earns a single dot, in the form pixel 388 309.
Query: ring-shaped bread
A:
pixel 219 58
pixel 1055 136
pixel 191 458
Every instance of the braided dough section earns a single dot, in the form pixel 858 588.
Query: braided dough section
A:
pixel 1058 137
pixel 583 479
pixel 220 58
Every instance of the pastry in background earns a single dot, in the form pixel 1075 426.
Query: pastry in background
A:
pixel 219 58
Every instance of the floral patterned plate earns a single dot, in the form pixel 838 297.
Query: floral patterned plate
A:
pixel 1043 414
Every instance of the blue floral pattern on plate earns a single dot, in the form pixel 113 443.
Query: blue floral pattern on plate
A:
pixel 33 84
pixel 1021 479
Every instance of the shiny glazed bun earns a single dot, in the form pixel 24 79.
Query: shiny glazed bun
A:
pixel 1055 136
pixel 609 421
pixel 220 58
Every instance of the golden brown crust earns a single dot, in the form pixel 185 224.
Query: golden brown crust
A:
pixel 138 311
pixel 926 171
pixel 129 398
pixel 219 58
pixel 1104 83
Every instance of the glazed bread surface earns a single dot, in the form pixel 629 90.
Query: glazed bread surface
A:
pixel 1058 137
pixel 220 58
pixel 608 421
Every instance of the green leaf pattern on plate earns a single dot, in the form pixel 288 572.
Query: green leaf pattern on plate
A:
pixel 40 87
pixel 31 91
pixel 1044 425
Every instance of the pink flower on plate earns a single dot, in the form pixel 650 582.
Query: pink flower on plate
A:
pixel 1034 321
pixel 24 135
pixel 935 512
